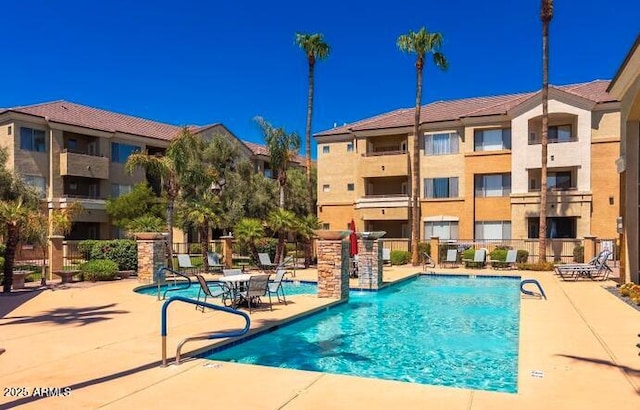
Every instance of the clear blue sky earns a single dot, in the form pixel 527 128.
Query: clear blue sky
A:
pixel 199 62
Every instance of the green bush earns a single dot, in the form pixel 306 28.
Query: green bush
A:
pixel 468 254
pixel 578 254
pixel 195 249
pixel 122 251
pixel 1 264
pixel 400 257
pixel 424 247
pixel 289 247
pixel 522 256
pixel 498 254
pixel 2 248
pixel 99 270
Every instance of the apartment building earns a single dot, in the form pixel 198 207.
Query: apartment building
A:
pixel 77 153
pixel 480 161
pixel 626 87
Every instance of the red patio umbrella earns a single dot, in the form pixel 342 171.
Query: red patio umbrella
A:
pixel 353 240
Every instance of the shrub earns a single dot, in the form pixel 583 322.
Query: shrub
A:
pixel 400 257
pixel 424 247
pixel 1 264
pixel 195 248
pixel 99 270
pixel 122 251
pixel 468 254
pixel 2 248
pixel 522 256
pixel 537 266
pixel 625 289
pixel 289 247
pixel 578 254
pixel 498 254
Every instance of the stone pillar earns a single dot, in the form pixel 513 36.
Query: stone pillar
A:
pixel 333 269
pixel 151 256
pixel 435 250
pixel 589 247
pixel 56 254
pixel 227 251
pixel 369 263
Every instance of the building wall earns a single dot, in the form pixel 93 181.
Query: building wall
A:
pixel 337 169
pixel 605 188
pixel 338 216
pixel 7 141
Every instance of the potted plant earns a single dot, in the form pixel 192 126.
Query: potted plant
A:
pixel 146 227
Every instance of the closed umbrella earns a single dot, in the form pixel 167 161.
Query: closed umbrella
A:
pixel 353 240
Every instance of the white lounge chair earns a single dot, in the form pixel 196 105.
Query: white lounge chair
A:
pixel 594 271
pixel 185 265
pixel 452 258
pixel 265 262
pixel 479 259
pixel 386 255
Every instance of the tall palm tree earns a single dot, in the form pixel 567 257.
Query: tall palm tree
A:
pixel 419 43
pixel 282 147
pixel 315 48
pixel 248 231
pixel 171 168
pixel 546 14
pixel 14 215
pixel 202 213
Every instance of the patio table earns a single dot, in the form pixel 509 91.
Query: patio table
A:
pixel 234 282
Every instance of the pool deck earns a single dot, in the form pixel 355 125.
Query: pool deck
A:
pixel 102 340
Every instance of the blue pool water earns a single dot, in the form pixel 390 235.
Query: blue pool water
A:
pixel 450 331
pixel 291 288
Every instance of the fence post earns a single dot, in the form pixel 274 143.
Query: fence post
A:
pixel 227 251
pixel 435 250
pixel 589 247
pixel 151 255
pixel 56 255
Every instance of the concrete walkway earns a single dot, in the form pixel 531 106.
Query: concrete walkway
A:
pixel 101 342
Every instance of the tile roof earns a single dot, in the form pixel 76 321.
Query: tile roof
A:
pixel 595 91
pixel 259 149
pixel 81 115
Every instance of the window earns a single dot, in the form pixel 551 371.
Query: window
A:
pixel 325 149
pixel 72 144
pixel 493 185
pixel 326 188
pixel 560 227
pixel 559 180
pixel 326 227
pixel 120 189
pixel 120 152
pixel 9 130
pixel 560 133
pixel 441 187
pixel 350 187
pixel 441 143
pixel 36 181
pixel 32 140
pixel 442 229
pixel 350 147
pixel 492 139
pixel 493 230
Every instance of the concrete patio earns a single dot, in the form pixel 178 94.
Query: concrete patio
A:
pixel 102 341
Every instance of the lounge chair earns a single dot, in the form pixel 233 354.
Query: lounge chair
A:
pixel 599 270
pixel 479 259
pixel 275 286
pixel 265 262
pixel 386 255
pixel 452 258
pixel 214 262
pixel 257 287
pixel 185 265
pixel 427 262
pixel 508 263
pixel 221 291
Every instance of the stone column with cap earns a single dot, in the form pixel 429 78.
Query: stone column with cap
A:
pixel 333 269
pixel 151 256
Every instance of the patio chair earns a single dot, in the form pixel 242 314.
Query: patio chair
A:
pixel 427 262
pixel 257 287
pixel 214 262
pixel 275 286
pixel 508 263
pixel 265 262
pixel 479 259
pixel 599 270
pixel 221 291
pixel 452 258
pixel 185 265
pixel 386 256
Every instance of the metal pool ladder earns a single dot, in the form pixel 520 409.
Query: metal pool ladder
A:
pixel 215 335
pixel 160 279
pixel 530 293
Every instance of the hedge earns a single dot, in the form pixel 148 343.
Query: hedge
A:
pixel 122 251
pixel 99 270
pixel 400 257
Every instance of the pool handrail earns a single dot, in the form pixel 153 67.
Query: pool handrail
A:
pixel 175 272
pixel 215 335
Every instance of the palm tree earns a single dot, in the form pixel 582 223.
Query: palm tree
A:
pixel 248 231
pixel 203 214
pixel 282 147
pixel 419 43
pixel 13 217
pixel 305 228
pixel 314 48
pixel 546 14
pixel 281 222
pixel 171 168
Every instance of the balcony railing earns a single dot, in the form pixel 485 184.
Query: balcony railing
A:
pixel 75 151
pixel 383 153
pixel 383 196
pixel 88 196
pixel 482 193
pixel 537 141
pixel 83 165
pixel 554 189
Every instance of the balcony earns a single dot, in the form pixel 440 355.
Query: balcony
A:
pixel 384 164
pixel 83 165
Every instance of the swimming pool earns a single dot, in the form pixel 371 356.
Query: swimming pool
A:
pixel 291 288
pixel 444 330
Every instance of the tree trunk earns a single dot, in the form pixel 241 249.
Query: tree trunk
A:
pixel 542 234
pixel 13 236
pixel 204 244
pixel 311 206
pixel 170 204
pixel 280 247
pixel 415 172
